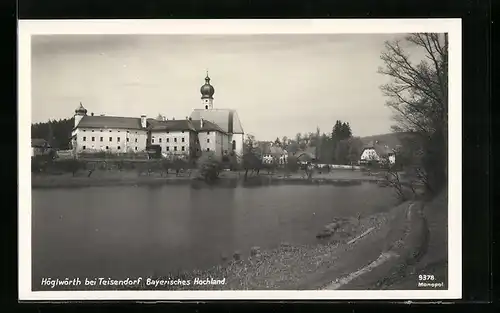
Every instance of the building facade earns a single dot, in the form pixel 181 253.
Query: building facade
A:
pixel 111 134
pixel 232 135
pixel 207 130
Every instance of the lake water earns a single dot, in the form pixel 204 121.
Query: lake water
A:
pixel 139 231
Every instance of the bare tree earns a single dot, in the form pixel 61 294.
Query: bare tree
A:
pixel 418 94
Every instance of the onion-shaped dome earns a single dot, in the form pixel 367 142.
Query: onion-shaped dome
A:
pixel 207 90
pixel 81 110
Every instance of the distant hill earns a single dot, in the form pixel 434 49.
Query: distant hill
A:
pixel 392 140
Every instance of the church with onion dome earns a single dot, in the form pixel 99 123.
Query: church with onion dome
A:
pixel 208 129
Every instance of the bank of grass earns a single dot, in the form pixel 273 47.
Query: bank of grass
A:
pixel 434 261
pixel 132 177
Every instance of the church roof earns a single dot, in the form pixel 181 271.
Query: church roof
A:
pixel 226 119
pixel 170 125
pixel 110 122
pixel 180 125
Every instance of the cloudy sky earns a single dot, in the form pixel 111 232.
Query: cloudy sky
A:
pixel 279 84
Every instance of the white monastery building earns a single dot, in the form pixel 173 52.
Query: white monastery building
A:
pixel 207 130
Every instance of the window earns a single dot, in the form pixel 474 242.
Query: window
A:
pixel 175 148
pixel 183 148
pixel 84 138
pixel 135 148
pixel 175 139
pixel 92 130
pixel 168 140
pixel 93 138
pixel 208 149
pixel 135 139
pixel 84 147
pixel 118 139
pixel 182 139
pixel 234 144
pixel 159 140
pixel 102 138
pixel 225 151
pixel 208 140
pixel 118 147
pixel 84 130
pixel 152 140
pixel 107 147
pixel 110 139
pixel 110 130
pixel 127 139
pixel 128 131
pixel 183 132
pixel 168 148
pixel 208 133
pixel 118 131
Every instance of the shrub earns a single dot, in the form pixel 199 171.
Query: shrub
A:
pixel 292 164
pixel 209 167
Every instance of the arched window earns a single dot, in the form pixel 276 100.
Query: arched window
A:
pixel 234 144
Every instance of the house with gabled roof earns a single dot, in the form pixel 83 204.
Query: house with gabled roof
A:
pixel 39 146
pixel 383 147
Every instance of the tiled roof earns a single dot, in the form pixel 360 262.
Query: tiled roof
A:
pixel 170 125
pixel 226 119
pixel 178 125
pixel 386 143
pixel 153 124
pixel 110 122
pixel 309 152
pixel 207 126
pixel 381 150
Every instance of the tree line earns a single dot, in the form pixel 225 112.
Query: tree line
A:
pixel 56 132
pixel 336 147
pixel 418 95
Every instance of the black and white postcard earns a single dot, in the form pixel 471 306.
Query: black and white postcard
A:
pixel 240 159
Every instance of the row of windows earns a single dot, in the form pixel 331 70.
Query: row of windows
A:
pixel 175 140
pixel 107 148
pixel 109 131
pixel 159 140
pixel 152 139
pixel 110 139
pixel 208 133
pixel 175 148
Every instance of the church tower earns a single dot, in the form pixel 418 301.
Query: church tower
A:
pixel 207 94
pixel 80 112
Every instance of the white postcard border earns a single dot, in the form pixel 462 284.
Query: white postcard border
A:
pixel 26 28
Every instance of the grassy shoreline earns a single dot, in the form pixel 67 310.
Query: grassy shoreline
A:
pixel 226 179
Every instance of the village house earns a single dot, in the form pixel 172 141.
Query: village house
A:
pixel 382 148
pixel 272 152
pixel 39 146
